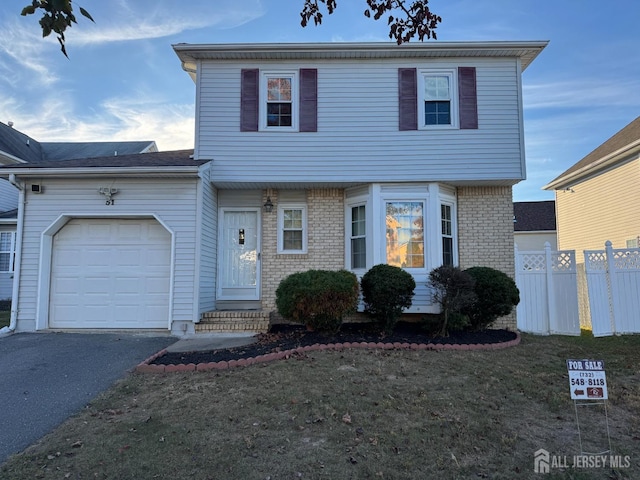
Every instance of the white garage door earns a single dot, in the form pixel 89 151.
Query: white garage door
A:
pixel 110 273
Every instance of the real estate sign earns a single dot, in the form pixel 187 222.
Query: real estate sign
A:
pixel 587 380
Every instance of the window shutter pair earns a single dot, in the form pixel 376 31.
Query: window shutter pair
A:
pixel 250 100
pixel 408 98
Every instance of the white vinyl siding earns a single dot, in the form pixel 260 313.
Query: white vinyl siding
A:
pixel 358 128
pixel 171 201
pixel 208 246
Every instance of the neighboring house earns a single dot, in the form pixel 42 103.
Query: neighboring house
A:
pixel 597 198
pixel 534 224
pixel 324 156
pixel 18 148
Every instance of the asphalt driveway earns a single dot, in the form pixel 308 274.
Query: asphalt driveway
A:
pixel 47 377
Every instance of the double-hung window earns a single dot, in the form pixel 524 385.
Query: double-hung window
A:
pixel 7 251
pixel 358 237
pixel 446 219
pixel 279 104
pixel 438 99
pixel 292 229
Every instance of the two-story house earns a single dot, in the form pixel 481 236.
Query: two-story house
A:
pixel 337 155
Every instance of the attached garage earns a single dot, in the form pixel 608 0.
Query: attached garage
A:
pixel 110 273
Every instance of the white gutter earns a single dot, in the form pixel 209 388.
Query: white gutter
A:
pixel 18 253
pixel 98 171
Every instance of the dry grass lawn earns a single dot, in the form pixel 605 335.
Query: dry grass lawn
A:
pixel 353 414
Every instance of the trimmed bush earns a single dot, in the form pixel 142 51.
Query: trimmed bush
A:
pixel 496 294
pixel 318 298
pixel 453 290
pixel 386 291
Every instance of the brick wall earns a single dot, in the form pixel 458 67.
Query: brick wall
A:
pixel 485 233
pixel 325 247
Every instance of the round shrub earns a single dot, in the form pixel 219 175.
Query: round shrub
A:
pixel 318 298
pixel 496 294
pixel 386 291
pixel 453 290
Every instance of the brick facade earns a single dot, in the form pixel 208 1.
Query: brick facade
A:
pixel 325 247
pixel 485 233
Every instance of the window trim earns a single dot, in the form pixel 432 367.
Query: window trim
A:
pixel 454 230
pixel 11 252
pixel 452 74
pixel 351 237
pixel 295 101
pixel 292 206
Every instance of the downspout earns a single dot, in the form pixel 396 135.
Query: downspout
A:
pixel 18 253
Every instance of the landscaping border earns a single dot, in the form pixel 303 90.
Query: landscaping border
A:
pixel 147 367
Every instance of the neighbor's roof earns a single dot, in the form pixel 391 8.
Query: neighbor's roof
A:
pixel 178 160
pixel 534 216
pixel 618 148
pixel 527 51
pixel 54 151
pixel 18 146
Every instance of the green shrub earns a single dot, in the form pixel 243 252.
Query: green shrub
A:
pixel 453 290
pixel 386 291
pixel 496 294
pixel 318 298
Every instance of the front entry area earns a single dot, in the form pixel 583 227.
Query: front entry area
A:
pixel 110 273
pixel 239 254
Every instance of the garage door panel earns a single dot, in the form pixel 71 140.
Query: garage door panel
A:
pixel 110 273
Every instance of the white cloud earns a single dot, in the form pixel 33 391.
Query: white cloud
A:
pixel 588 93
pixel 170 125
pixel 23 55
pixel 147 20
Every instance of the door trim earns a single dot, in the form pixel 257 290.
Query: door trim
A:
pixel 221 217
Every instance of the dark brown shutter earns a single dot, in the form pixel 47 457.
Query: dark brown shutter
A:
pixel 249 98
pixel 308 100
pixel 408 98
pixel 468 98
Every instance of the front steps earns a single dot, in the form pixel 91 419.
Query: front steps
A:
pixel 233 321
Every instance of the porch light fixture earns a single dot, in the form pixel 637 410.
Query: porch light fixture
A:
pixel 268 205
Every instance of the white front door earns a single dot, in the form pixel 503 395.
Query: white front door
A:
pixel 238 268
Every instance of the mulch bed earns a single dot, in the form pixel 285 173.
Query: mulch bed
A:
pixel 289 337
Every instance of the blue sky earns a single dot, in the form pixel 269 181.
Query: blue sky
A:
pixel 123 80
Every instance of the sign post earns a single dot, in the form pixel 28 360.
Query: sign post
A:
pixel 588 386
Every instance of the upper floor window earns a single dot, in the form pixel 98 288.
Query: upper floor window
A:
pixel 292 229
pixel 437 99
pixel 278 109
pixel 7 251
pixel 279 101
pixel 438 95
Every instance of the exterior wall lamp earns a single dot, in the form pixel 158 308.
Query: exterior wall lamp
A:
pixel 268 205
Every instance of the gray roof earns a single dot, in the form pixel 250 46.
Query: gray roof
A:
pixel 54 151
pixel 534 216
pixel 592 162
pixel 17 144
pixel 176 158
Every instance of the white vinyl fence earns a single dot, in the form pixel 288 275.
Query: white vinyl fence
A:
pixel 548 292
pixel 613 282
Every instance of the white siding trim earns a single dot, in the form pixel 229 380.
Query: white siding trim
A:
pixel 46 250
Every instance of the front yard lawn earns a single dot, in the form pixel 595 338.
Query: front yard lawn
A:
pixel 354 414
